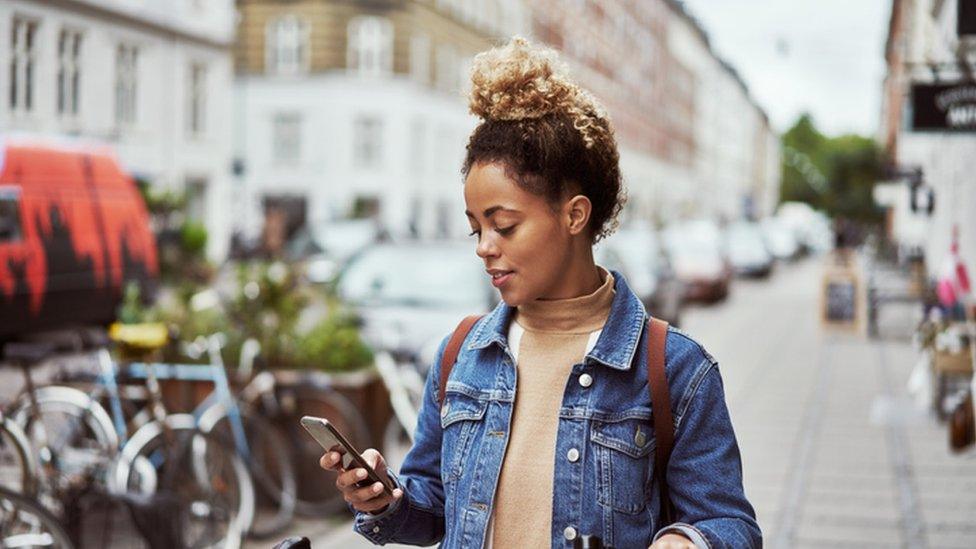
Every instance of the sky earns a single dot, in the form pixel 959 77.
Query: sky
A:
pixel 825 57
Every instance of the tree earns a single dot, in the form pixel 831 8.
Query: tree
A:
pixel 834 174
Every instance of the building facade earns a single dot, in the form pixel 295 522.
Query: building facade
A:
pixel 693 141
pixel 150 79
pixel 350 108
pixel 928 124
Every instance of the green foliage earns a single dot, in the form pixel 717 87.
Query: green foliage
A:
pixel 133 310
pixel 193 238
pixel 333 344
pixel 850 164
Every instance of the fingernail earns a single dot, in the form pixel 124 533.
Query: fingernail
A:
pixel 397 493
pixel 361 473
pixel 377 487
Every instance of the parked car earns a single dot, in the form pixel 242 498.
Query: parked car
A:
pixel 780 239
pixel 322 249
pixel 411 294
pixel 638 254
pixel 747 250
pixel 699 260
pixel 74 231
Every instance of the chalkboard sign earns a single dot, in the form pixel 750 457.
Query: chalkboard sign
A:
pixel 841 300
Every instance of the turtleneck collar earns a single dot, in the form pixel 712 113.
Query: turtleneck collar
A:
pixel 575 315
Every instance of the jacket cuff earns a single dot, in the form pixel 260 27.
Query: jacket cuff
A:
pixel 694 534
pixel 379 528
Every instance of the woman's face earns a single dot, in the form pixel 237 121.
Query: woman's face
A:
pixel 525 244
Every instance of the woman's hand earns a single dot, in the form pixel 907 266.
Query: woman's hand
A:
pixel 372 498
pixel 673 541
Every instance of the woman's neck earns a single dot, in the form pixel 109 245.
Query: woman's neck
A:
pixel 581 277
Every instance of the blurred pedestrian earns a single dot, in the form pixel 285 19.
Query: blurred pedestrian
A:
pixel 572 451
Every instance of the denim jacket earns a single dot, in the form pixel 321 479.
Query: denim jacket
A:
pixel 607 486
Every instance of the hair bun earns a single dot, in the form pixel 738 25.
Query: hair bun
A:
pixel 518 81
pixel 522 81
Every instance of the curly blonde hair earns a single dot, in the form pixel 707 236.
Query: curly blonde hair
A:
pixel 552 136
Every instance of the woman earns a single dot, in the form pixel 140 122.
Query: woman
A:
pixel 571 451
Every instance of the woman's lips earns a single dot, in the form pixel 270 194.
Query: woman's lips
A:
pixel 498 281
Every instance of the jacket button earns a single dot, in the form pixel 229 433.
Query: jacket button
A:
pixel 586 380
pixel 376 529
pixel 572 455
pixel 569 533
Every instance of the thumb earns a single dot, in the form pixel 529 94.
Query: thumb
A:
pixel 375 460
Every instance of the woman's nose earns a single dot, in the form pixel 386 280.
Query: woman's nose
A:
pixel 486 247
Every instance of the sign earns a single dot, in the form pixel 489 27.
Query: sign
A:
pixel 841 300
pixel 841 295
pixel 966 20
pixel 945 107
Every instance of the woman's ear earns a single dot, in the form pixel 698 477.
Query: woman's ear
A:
pixel 577 213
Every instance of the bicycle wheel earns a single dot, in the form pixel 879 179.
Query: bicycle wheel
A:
pixel 209 479
pixel 18 468
pixel 25 523
pixel 317 494
pixel 70 434
pixel 269 463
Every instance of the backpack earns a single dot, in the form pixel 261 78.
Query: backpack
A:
pixel 657 381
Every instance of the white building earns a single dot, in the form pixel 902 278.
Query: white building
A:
pixel 924 48
pixel 152 79
pixel 360 107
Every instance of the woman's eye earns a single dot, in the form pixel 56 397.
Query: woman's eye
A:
pixel 475 232
pixel 505 230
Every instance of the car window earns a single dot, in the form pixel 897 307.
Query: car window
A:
pixel 10 227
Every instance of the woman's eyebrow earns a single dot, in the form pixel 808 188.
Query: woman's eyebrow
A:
pixel 491 211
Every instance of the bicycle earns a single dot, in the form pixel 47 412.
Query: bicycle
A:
pixel 218 495
pixel 25 523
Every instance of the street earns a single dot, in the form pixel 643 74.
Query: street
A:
pixel 834 453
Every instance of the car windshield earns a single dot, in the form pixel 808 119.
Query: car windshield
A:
pixel 745 240
pixel 693 244
pixel 415 276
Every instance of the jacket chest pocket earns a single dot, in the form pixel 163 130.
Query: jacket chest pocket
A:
pixel 461 416
pixel 624 462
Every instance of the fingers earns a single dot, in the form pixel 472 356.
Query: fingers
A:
pixel 331 461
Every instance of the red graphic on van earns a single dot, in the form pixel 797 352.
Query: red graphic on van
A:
pixel 72 223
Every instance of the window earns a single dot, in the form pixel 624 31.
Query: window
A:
pixel 287 134
pixel 69 51
pixel 418 145
pixel 420 58
pixel 125 84
pixel 286 41
pixel 447 68
pixel 370 48
pixel 197 99
pixel 367 142
pixel 23 50
pixel 196 199
pixel 10 227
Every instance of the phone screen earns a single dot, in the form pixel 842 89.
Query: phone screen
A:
pixel 332 440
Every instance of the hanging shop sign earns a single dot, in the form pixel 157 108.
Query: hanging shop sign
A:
pixel 966 17
pixel 944 107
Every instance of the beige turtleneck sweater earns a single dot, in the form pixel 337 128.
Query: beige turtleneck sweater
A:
pixel 547 337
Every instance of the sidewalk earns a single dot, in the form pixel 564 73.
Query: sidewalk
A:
pixel 834 453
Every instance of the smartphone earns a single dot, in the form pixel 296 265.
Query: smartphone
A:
pixel 333 441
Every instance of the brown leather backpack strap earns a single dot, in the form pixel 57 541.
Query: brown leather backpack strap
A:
pixel 451 352
pixel 661 405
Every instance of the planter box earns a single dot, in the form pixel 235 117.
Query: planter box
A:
pixel 953 363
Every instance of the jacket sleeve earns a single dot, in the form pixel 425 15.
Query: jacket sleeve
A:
pixel 417 518
pixel 705 471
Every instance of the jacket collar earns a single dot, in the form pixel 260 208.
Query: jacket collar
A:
pixel 616 346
